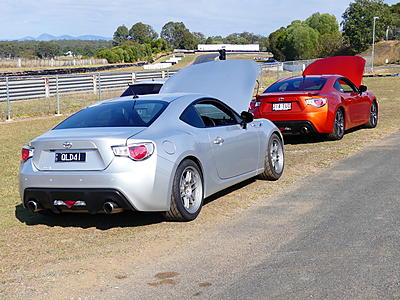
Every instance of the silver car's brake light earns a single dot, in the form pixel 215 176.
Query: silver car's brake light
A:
pixel 134 151
pixel 26 153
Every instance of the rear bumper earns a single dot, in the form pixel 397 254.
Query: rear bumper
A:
pixel 303 127
pixel 144 184
pixel 90 200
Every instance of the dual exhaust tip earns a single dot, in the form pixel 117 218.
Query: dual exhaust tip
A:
pixel 108 207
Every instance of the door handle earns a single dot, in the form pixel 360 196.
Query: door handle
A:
pixel 219 140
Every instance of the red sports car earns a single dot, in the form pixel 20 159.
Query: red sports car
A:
pixel 327 99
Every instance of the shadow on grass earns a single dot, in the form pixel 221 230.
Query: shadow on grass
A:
pixel 104 221
pixel 99 221
pixel 313 138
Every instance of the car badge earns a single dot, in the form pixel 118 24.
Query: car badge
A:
pixel 281 99
pixel 67 145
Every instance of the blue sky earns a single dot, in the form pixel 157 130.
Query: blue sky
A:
pixel 19 18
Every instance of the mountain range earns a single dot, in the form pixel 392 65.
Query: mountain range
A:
pixel 48 37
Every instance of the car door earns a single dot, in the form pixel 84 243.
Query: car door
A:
pixel 235 150
pixel 352 99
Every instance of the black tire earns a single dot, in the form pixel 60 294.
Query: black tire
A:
pixel 274 161
pixel 338 126
pixel 186 207
pixel 373 116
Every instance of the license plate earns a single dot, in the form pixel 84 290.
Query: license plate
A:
pixel 70 157
pixel 281 106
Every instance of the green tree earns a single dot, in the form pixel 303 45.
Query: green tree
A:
pixel 301 41
pixel 358 21
pixel 395 30
pixel 178 36
pixel 142 33
pixel 276 42
pixel 199 37
pixel 120 35
pixel 323 23
pixel 331 44
pixel 47 50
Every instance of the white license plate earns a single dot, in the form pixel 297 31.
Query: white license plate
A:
pixel 281 106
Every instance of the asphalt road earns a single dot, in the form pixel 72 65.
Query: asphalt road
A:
pixel 205 58
pixel 335 236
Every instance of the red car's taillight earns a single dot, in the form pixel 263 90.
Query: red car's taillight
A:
pixel 317 102
pixel 26 153
pixel 254 104
pixel 134 151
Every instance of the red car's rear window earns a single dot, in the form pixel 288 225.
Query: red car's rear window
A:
pixel 297 84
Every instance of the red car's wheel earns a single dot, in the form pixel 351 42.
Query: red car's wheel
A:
pixel 338 126
pixel 373 116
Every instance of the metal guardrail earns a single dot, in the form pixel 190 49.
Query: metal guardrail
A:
pixel 30 87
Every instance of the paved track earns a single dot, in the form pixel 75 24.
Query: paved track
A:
pixel 205 58
pixel 335 237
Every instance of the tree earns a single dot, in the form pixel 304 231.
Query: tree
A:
pixel 323 23
pixel 199 37
pixel 276 41
pixel 142 33
pixel 178 36
pixel 395 9
pixel 301 41
pixel 120 35
pixel 331 44
pixel 358 21
pixel 47 49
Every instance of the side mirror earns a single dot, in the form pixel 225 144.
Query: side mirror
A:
pixel 362 89
pixel 247 118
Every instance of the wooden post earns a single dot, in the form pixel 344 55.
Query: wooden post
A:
pixel 94 84
pixel 8 101
pixel 46 87
pixel 57 98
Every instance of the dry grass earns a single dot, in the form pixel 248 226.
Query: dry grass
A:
pixel 36 250
pixel 385 50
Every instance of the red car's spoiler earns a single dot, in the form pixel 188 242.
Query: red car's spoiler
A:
pixel 351 67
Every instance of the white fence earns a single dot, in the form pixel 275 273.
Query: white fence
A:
pixel 30 87
pixel 19 63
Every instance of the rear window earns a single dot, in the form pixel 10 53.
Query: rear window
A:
pixel 142 89
pixel 297 84
pixel 139 113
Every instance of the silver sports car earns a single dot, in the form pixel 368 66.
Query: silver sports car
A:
pixel 164 152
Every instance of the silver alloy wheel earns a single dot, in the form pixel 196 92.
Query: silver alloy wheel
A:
pixel 373 116
pixel 191 189
pixel 339 123
pixel 276 155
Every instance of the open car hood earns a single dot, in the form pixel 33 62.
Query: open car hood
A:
pixel 231 81
pixel 351 67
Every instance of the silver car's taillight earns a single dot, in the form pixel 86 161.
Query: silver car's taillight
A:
pixel 26 153
pixel 134 151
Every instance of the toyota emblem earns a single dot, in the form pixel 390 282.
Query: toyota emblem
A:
pixel 67 145
pixel 281 99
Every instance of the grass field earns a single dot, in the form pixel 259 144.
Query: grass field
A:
pixel 36 250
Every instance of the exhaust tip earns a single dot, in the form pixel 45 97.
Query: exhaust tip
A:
pixel 33 206
pixel 305 130
pixel 111 208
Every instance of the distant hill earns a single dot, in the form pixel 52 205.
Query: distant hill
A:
pixel 385 50
pixel 48 37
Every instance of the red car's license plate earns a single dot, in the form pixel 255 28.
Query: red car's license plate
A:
pixel 282 106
